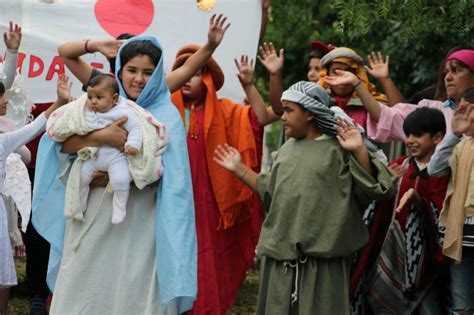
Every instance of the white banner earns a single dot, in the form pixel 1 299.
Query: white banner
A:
pixel 48 23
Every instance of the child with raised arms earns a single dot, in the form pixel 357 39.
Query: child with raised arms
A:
pixel 313 198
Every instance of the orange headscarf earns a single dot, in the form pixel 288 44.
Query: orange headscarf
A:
pixel 348 57
pixel 224 122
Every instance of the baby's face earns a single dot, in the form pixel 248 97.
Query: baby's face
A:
pixel 100 99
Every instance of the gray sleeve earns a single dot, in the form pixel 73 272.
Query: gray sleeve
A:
pixel 9 68
pixel 439 163
pixel 15 139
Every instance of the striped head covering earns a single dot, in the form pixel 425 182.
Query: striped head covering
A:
pixel 314 98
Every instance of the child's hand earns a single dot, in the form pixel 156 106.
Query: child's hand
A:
pixel 130 150
pixel 342 78
pixel 217 29
pixel 270 59
pixel 349 135
pixel 227 157
pixel 245 69
pixel 398 169
pixel 410 197
pixel 63 89
pixel 12 38
pixel 378 67
pixel 460 122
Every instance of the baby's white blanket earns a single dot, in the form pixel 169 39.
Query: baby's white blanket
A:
pixel 145 167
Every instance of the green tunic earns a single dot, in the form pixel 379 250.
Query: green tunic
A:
pixel 312 198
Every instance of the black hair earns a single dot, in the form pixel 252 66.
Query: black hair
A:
pixel 112 60
pixel 316 54
pixel 468 95
pixel 2 89
pixel 424 120
pixel 140 47
pixel 108 79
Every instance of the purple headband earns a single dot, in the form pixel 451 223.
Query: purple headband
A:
pixel 465 55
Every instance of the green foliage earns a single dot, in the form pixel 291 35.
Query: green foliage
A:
pixel 416 34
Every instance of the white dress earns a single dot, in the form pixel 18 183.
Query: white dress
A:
pixel 10 142
pixel 113 269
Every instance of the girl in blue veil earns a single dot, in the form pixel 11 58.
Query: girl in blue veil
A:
pixel 147 264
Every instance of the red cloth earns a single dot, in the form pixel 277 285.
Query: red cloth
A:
pixel 33 144
pixel 357 113
pixel 432 190
pixel 224 255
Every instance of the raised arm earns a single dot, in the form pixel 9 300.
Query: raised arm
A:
pixel 12 40
pixel 263 23
pixel 370 103
pixel 229 158
pixel 217 28
pixel 71 53
pixel 264 114
pixel 439 163
pixel 274 65
pixel 379 69
pixel 350 139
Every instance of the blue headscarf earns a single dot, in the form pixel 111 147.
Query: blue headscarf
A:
pixel 175 236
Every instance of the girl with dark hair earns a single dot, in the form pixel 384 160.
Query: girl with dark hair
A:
pixel 147 264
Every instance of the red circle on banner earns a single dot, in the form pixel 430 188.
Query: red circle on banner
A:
pixel 124 16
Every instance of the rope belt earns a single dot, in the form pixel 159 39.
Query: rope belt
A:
pixel 294 264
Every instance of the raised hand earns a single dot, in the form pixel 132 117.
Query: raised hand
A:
pixel 270 59
pixel 245 69
pixel 217 29
pixel 460 122
pixel 342 78
pixel 12 38
pixel 63 89
pixel 379 68
pixel 349 135
pixel 410 197
pixel 227 157
pixel 109 48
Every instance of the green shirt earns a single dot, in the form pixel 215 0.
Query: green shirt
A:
pixel 312 198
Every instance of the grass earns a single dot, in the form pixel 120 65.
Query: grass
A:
pixel 245 305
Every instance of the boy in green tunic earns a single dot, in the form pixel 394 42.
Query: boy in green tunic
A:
pixel 313 221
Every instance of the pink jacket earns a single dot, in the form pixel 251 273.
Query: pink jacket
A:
pixel 390 125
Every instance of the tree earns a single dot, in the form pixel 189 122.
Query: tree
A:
pixel 416 34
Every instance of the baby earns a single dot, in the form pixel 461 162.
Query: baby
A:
pixel 103 107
